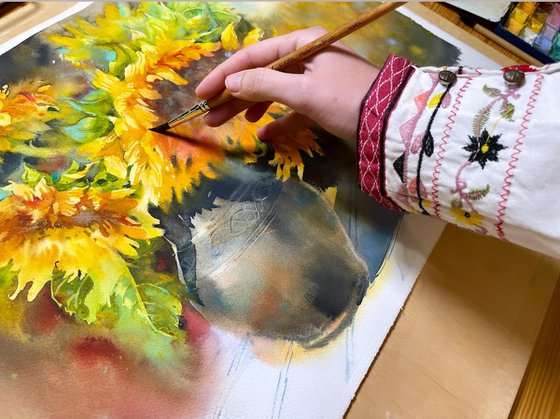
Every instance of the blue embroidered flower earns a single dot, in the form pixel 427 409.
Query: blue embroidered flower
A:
pixel 484 148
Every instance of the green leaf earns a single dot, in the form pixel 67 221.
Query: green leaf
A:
pixel 491 91
pixel 97 102
pixel 8 278
pixel 89 128
pixel 74 176
pixel 134 330
pixel 506 111
pixel 162 307
pixel 478 193
pixel 108 182
pixel 70 292
pixel 480 119
pixel 125 55
pixel 32 177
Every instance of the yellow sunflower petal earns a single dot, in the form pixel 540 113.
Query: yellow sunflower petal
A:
pixel 229 38
pixel 5 119
pixel 253 36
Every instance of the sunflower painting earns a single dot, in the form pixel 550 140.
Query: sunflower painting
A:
pixel 213 275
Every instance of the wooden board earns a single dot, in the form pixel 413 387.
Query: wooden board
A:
pixel 462 342
pixel 16 18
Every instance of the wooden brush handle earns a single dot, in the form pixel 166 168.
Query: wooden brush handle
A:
pixel 317 45
pixel 324 41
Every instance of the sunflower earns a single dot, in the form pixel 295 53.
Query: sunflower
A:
pixel 71 227
pixel 24 111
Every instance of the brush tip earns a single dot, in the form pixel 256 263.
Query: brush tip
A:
pixel 161 128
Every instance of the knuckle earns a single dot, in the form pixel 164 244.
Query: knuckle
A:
pixel 253 81
pixel 315 32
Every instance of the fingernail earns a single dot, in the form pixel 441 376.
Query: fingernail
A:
pixel 233 82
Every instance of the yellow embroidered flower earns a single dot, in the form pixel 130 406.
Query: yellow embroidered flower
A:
pixel 432 103
pixel 80 231
pixel 467 218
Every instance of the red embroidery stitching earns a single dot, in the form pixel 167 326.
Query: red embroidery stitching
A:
pixel 441 149
pixel 521 67
pixel 406 130
pixel 376 107
pixel 502 205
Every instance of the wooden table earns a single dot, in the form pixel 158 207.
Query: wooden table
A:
pixel 464 344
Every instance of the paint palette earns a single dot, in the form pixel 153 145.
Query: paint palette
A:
pixel 537 24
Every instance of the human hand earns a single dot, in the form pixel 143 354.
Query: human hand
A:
pixel 325 89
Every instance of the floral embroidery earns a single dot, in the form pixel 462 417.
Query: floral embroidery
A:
pixel 420 145
pixel 469 218
pixel 484 147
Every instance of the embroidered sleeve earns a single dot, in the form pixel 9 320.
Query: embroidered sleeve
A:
pixel 481 153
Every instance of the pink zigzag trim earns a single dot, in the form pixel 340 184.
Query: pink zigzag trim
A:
pixel 506 190
pixel 441 149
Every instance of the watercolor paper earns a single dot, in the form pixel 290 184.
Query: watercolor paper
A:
pixel 144 275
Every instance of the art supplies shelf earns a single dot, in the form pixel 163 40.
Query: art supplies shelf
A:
pixel 534 24
pixel 532 27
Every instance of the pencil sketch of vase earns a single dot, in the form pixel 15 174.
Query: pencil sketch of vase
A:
pixel 305 289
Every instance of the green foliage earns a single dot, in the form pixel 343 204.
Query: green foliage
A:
pixel 77 176
pixel 476 194
pixel 507 110
pixel 70 293
pixel 115 39
pixel 7 279
pixel 92 116
pixel 149 298
pixel 491 91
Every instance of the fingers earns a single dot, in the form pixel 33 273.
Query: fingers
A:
pixel 260 85
pixel 255 112
pixel 286 126
pixel 259 54
pixel 266 85
pixel 221 114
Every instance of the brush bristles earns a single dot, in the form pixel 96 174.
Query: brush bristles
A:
pixel 181 119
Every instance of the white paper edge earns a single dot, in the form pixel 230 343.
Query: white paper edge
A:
pixel 18 39
pixel 469 55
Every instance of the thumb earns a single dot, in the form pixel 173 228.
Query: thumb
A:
pixel 266 85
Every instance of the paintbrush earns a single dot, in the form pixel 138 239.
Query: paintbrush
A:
pixel 281 64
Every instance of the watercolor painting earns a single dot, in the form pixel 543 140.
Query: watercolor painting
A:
pixel 145 275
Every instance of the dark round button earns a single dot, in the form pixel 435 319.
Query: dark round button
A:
pixel 514 78
pixel 447 77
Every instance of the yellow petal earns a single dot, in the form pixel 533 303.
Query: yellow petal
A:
pixel 253 36
pixel 5 119
pixel 435 100
pixel 229 38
